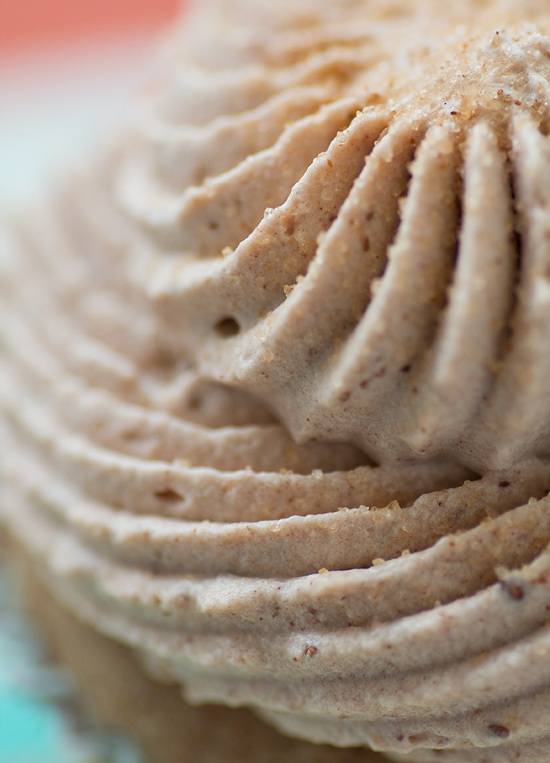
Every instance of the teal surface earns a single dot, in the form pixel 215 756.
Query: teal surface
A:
pixel 39 720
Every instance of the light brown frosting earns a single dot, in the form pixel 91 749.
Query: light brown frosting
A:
pixel 274 374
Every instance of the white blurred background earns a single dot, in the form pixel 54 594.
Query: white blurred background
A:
pixel 67 69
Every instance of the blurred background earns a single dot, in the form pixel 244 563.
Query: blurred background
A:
pixel 67 68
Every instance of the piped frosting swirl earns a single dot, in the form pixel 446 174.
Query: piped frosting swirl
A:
pixel 274 380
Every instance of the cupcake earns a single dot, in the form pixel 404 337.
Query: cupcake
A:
pixel 274 386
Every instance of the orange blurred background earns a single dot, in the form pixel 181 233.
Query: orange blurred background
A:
pixel 25 23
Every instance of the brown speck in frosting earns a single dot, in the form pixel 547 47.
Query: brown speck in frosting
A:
pixel 170 496
pixel 513 588
pixel 290 225
pixel 496 730
pixel 227 327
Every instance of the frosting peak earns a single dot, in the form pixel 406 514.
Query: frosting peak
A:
pixel 376 274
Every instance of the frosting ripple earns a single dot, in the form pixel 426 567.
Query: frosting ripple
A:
pixel 273 375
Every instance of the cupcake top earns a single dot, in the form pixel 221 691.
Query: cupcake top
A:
pixel 274 374
pixel 348 223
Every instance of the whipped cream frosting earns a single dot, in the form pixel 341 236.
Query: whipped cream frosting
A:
pixel 273 374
